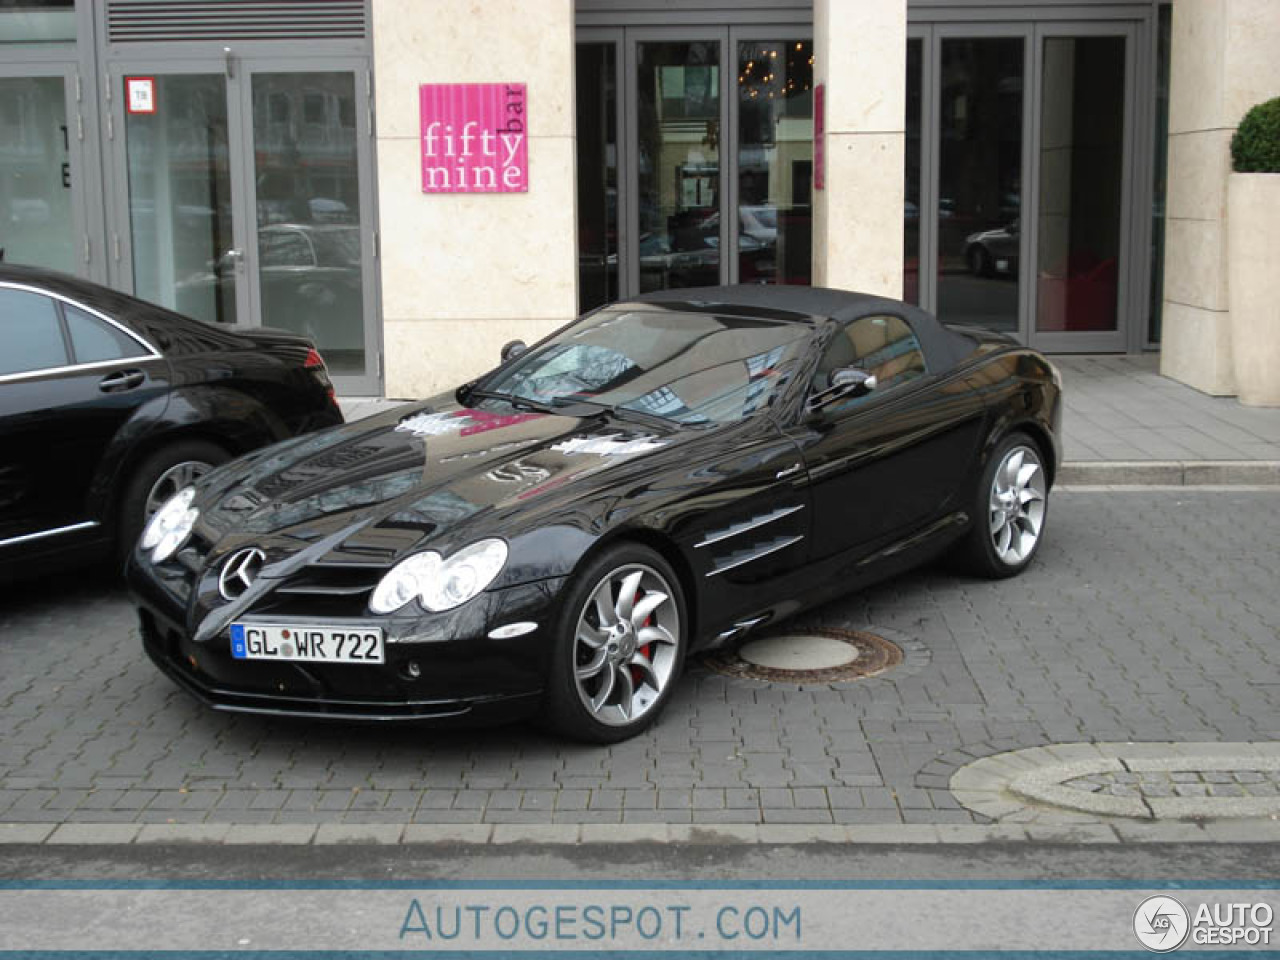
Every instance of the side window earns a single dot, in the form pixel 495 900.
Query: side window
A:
pixel 880 345
pixel 30 336
pixel 94 341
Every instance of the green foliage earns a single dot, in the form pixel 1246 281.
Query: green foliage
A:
pixel 1255 148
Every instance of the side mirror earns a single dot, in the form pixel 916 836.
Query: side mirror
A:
pixel 512 349
pixel 844 382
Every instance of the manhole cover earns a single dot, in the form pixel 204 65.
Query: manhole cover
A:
pixel 812 656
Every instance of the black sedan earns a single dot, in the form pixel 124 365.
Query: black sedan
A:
pixel 662 476
pixel 109 406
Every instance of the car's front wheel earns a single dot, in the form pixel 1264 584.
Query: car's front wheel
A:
pixel 619 647
pixel 1009 510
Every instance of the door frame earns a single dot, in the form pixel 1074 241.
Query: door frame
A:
pixel 1127 311
pixel 1132 304
pixel 369 382
pixel 237 75
pixel 628 110
pixel 122 273
pixel 86 226
pixel 936 35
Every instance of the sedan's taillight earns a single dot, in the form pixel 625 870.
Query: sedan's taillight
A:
pixel 315 363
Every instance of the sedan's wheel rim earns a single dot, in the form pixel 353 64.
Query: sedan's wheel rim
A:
pixel 626 644
pixel 177 477
pixel 1017 505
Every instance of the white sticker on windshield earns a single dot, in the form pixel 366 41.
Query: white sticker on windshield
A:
pixel 614 446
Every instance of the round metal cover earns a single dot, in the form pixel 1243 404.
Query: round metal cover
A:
pixel 824 655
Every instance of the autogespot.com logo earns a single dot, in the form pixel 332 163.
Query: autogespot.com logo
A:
pixel 1161 924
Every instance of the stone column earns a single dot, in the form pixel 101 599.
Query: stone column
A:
pixel 463 273
pixel 1223 61
pixel 860 56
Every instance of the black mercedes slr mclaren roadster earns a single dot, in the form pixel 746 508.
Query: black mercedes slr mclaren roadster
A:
pixel 661 477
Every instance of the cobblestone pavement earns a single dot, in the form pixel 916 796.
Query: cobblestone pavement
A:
pixel 1149 616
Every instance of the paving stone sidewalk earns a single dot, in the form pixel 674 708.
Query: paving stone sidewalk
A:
pixel 1149 616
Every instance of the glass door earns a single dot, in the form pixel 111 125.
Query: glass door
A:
pixel 41 212
pixel 980 144
pixel 245 199
pixel 179 235
pixel 678 230
pixel 1081 168
pixel 310 252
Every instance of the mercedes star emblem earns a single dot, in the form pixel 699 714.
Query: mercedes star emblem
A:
pixel 239 572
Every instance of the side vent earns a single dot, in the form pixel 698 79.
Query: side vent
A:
pixel 158 21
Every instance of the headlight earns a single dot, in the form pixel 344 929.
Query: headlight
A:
pixel 440 584
pixel 170 526
pixel 406 580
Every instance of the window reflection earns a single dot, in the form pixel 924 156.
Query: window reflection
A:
pixel 692 368
pixel 678 104
pixel 980 181
pixel 307 177
pixel 775 161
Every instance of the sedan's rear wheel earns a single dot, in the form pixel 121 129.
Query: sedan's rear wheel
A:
pixel 1009 510
pixel 620 648
pixel 158 478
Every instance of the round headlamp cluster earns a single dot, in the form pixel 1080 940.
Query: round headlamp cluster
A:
pixel 169 527
pixel 440 584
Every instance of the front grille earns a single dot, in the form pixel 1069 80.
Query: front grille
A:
pixel 337 590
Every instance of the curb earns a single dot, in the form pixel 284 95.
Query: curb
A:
pixel 639 836
pixel 1169 473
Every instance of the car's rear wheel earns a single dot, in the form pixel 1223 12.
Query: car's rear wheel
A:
pixel 619 648
pixel 1009 510
pixel 158 478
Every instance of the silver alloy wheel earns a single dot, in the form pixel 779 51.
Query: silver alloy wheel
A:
pixel 171 481
pixel 626 644
pixel 1017 505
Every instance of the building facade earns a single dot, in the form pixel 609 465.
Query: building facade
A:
pixel 1001 163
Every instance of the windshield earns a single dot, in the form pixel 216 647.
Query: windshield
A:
pixel 687 367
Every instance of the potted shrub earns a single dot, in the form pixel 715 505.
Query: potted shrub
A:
pixel 1253 238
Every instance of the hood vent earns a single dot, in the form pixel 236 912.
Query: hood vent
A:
pixel 159 21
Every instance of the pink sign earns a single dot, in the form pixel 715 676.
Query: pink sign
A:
pixel 474 137
pixel 819 138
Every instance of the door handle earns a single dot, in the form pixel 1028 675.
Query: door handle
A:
pixel 124 380
pixel 790 471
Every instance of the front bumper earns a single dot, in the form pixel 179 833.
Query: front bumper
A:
pixel 439 667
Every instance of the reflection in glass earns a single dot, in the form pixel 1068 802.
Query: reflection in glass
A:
pixel 1081 177
pixel 37 21
pixel 911 206
pixel 678 104
pixel 980 181
pixel 180 198
pixel 35 174
pixel 597 104
pixel 775 161
pixel 691 367
pixel 307 177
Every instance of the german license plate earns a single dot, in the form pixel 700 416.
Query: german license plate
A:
pixel 305 643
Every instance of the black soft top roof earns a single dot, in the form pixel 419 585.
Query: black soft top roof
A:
pixel 943 347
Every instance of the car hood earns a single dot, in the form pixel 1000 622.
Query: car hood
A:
pixel 377 488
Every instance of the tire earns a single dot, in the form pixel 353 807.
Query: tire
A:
pixel 1009 509
pixel 157 478
pixel 599 689
pixel 979 261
